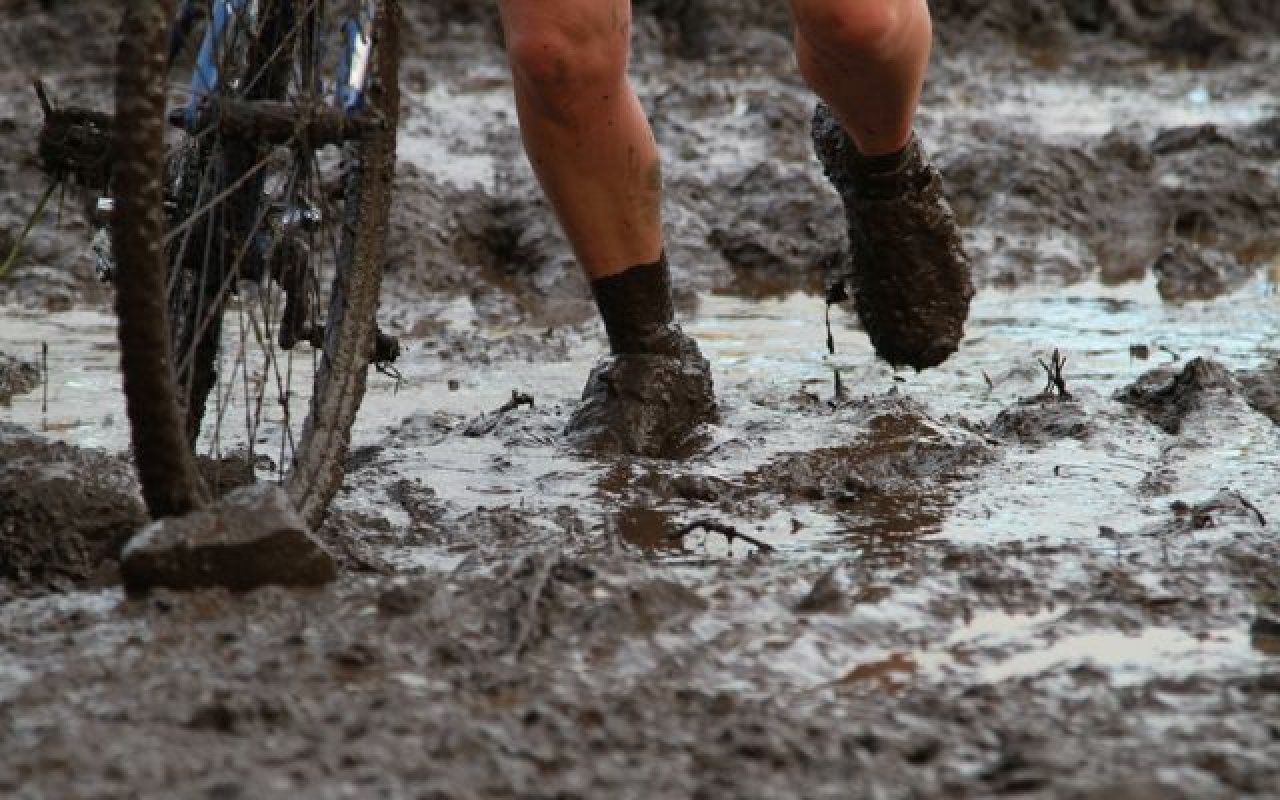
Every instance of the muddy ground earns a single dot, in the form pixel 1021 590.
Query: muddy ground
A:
pixel 953 584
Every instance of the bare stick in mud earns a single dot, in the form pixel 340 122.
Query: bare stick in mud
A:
pixel 836 293
pixel 1262 520
pixel 485 424
pixel 44 379
pixel 727 531
pixel 537 588
pixel 16 251
pixel 841 392
pixel 1056 378
pixel 518 399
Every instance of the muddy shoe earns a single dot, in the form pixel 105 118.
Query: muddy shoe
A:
pixel 645 404
pixel 911 276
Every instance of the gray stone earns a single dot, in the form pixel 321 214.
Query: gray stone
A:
pixel 253 537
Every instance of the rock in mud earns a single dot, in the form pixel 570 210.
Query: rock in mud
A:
pixel 253 537
pixel 1166 397
pixel 1262 388
pixel 64 512
pixel 16 377
pixel 1185 273
pixel 1042 419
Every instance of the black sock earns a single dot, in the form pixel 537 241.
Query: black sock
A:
pixel 636 308
pixel 882 165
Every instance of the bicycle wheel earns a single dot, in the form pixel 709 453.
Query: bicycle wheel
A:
pixel 269 260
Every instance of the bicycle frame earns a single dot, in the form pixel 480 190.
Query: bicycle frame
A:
pixel 353 60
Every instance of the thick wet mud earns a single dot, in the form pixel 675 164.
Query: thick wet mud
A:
pixel 1047 568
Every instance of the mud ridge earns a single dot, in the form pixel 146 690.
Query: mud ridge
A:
pixel 64 512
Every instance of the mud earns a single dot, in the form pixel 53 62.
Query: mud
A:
pixel 64 512
pixel 1166 397
pixel 17 376
pixel 957 583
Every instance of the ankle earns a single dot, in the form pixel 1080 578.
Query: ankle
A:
pixel 637 309
pixel 884 165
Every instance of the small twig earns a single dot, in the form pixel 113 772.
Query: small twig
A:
pixel 517 400
pixel 388 369
pixel 62 203
pixel 45 104
pixel 536 590
pixel 1262 520
pixel 16 251
pixel 841 392
pixel 1066 470
pixel 836 293
pixel 44 369
pixel 727 531
pixel 1057 379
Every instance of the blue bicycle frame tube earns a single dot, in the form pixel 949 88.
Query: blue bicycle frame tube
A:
pixel 204 80
pixel 353 65
pixel 353 61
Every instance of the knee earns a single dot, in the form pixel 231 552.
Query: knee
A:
pixel 851 28
pixel 557 66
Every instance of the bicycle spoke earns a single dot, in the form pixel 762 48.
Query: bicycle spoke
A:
pixel 260 228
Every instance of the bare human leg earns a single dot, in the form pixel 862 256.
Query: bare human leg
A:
pixel 867 60
pixel 584 129
pixel 595 156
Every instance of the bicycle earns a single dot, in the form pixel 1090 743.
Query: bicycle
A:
pixel 268 209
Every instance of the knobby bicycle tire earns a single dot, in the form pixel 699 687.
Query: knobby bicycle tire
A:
pixel 166 470
pixel 163 420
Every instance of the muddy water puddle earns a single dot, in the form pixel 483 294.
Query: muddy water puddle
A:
pixel 80 399
pixel 777 386
pixel 942 476
pixel 1064 108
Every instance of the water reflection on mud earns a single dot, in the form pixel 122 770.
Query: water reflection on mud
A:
pixel 899 454
pixel 792 465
